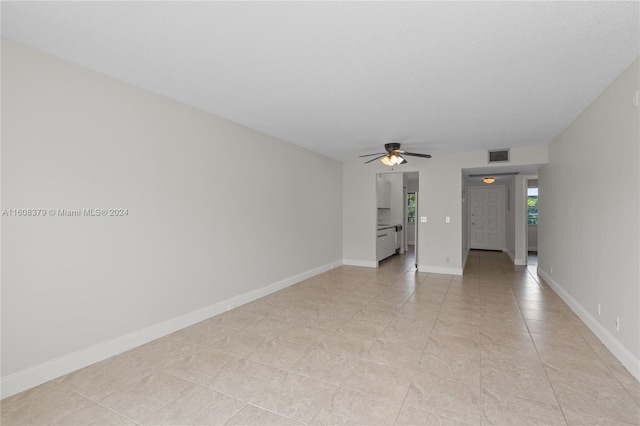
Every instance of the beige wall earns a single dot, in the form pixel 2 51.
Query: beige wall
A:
pixel 215 210
pixel 589 232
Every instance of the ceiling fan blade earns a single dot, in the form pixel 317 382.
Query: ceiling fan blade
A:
pixel 404 161
pixel 377 153
pixel 417 155
pixel 377 158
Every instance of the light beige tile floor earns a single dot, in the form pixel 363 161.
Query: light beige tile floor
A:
pixel 361 346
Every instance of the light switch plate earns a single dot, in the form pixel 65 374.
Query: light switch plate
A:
pixel 423 219
pixel 447 219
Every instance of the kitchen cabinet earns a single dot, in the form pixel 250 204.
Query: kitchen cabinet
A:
pixel 380 248
pixel 383 193
pixel 392 242
pixel 385 243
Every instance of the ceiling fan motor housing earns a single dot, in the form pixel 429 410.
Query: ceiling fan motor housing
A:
pixel 393 146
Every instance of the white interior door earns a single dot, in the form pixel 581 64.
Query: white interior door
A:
pixel 486 216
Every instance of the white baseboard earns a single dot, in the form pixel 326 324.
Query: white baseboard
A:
pixel 49 370
pixel 363 263
pixel 515 260
pixel 533 248
pixel 440 269
pixel 511 255
pixel 627 359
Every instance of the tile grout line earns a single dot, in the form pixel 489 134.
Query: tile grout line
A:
pixel 415 370
pixel 546 373
pixel 98 403
pixel 597 355
pixel 386 287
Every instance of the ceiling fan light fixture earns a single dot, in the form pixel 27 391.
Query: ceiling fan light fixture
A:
pixel 387 160
pixel 489 180
pixel 392 155
pixel 392 160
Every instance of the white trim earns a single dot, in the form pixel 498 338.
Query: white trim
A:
pixel 516 261
pixel 363 263
pixel 48 370
pixel 627 359
pixel 464 260
pixel 511 255
pixel 440 270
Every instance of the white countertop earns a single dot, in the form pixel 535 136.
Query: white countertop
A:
pixel 381 226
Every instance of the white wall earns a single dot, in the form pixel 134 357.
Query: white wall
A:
pixel 520 197
pixel 397 197
pixel 532 237
pixel 216 210
pixel 464 219
pixel 412 186
pixel 441 184
pixel 510 218
pixel 411 233
pixel 589 235
pixel 516 227
pixel 532 230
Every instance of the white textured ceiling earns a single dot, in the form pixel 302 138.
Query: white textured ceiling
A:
pixel 343 78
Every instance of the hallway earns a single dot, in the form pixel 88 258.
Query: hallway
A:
pixel 362 346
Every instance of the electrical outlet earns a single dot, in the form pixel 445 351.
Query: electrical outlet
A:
pixel 231 306
pixel 598 309
pixel 448 260
pixel 551 270
pixel 617 324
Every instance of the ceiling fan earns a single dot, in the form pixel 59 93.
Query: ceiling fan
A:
pixel 393 155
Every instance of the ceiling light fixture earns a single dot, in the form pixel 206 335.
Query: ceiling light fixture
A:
pixel 392 160
pixel 489 180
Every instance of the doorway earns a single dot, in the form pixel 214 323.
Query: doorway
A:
pixel 486 218
pixel 397 206
pixel 411 216
pixel 532 222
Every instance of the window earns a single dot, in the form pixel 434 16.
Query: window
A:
pixel 532 206
pixel 411 207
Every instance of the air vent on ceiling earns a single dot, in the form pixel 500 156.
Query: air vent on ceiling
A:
pixel 499 156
